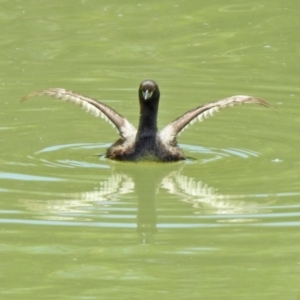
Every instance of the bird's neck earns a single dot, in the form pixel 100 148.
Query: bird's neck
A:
pixel 148 121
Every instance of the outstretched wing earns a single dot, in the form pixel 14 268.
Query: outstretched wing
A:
pixel 95 107
pixel 169 133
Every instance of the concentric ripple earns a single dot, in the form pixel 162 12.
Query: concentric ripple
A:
pixel 204 154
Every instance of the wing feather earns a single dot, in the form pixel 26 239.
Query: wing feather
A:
pixel 95 107
pixel 169 133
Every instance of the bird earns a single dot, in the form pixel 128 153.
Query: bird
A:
pixel 146 143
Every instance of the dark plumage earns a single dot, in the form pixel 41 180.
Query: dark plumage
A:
pixel 146 142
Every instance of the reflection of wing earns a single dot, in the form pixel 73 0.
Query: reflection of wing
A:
pixel 116 184
pixel 108 190
pixel 95 107
pixel 168 134
pixel 206 198
pixel 189 188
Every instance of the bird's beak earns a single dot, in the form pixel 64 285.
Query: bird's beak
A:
pixel 147 94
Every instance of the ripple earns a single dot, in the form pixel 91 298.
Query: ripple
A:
pixel 241 8
pixel 26 177
pixel 68 163
pixel 62 158
pixel 63 154
pixel 82 164
pixel 67 223
pixel 260 220
pixel 73 146
pixel 5 128
pixel 219 153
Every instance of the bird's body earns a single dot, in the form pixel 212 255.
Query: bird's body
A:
pixel 146 142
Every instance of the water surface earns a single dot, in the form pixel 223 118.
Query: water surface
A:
pixel 222 225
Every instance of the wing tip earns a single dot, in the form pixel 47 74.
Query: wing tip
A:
pixel 47 92
pixel 245 99
pixel 265 103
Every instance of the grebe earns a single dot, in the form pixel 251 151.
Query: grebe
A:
pixel 146 142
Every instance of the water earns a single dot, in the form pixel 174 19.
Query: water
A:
pixel 222 225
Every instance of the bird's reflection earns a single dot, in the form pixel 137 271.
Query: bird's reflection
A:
pixel 145 180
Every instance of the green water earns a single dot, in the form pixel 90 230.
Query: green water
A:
pixel 222 225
